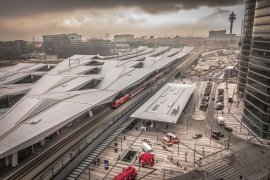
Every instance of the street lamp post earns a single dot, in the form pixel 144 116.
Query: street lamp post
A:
pixel 194 155
pixel 89 173
pixel 178 149
pixel 211 136
pixel 241 125
pixel 157 131
pixel 121 143
pixel 164 175
pixel 228 146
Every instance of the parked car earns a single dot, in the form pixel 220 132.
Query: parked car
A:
pixel 220 100
pixel 220 120
pixel 228 129
pixel 219 108
pixel 221 96
pixel 196 136
pixel 220 104
pixel 215 137
pixel 218 133
pixel 147 148
pixel 167 141
pixel 172 137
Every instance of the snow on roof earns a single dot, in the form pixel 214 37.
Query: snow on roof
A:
pixel 167 104
pixel 68 91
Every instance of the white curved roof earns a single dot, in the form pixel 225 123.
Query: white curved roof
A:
pixel 63 94
pixel 167 104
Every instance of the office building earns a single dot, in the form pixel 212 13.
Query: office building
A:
pixel 245 44
pixel 123 38
pixel 67 45
pixel 13 50
pixel 256 114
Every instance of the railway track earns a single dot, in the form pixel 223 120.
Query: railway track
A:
pixel 35 166
pixel 32 168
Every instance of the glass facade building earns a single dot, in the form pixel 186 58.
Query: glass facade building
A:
pixel 245 44
pixel 256 112
pixel 66 45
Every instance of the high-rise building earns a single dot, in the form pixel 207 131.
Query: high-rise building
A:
pixel 256 114
pixel 66 45
pixel 60 44
pixel 13 50
pixel 245 44
pixel 122 38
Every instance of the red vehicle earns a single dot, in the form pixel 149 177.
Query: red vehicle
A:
pixel 173 138
pixel 127 174
pixel 117 103
pixel 167 141
pixel 121 101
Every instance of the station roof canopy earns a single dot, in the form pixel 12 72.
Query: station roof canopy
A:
pixel 72 88
pixel 167 104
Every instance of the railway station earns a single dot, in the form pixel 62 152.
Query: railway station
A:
pixel 124 150
pixel 75 91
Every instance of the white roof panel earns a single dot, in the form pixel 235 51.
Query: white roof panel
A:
pixel 130 78
pixel 51 120
pixel 15 114
pixel 167 104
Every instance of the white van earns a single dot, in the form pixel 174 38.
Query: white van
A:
pixel 220 120
pixel 147 148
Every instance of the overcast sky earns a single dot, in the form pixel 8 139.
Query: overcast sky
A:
pixel 23 19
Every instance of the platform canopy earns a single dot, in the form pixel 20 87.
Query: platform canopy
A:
pixel 167 104
pixel 71 90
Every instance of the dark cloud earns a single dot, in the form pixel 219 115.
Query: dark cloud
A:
pixel 32 7
pixel 218 12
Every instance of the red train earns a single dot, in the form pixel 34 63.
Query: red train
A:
pixel 125 98
pixel 121 101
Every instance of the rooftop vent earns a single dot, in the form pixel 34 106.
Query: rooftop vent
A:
pixel 35 121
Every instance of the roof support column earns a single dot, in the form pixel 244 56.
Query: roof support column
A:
pixel 8 160
pixel 42 142
pixel 33 149
pixel 14 159
pixel 90 113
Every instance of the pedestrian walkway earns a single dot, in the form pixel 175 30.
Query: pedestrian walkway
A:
pixel 170 162
pixel 240 146
pixel 221 169
pixel 83 165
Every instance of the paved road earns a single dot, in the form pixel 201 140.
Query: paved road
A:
pixel 213 123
